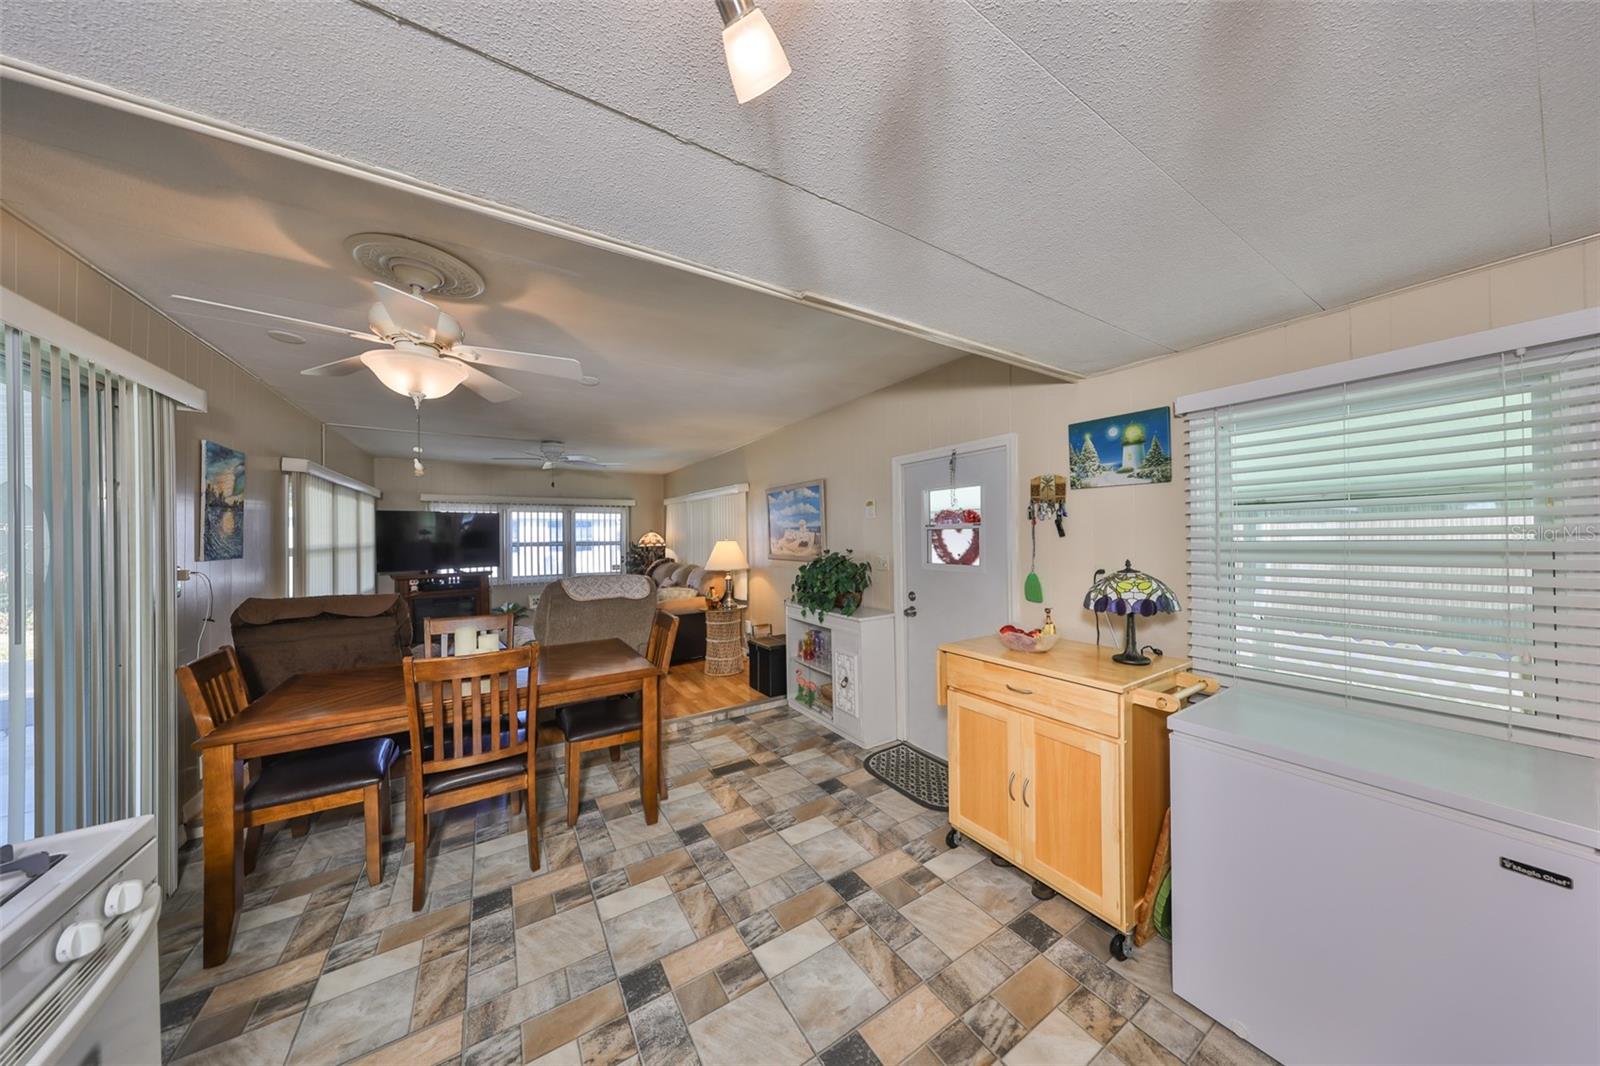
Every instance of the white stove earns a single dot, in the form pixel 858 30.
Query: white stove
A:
pixel 78 967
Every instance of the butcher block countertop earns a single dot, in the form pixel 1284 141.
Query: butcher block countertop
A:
pixel 1081 664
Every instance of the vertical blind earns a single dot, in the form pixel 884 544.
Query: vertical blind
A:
pixel 1426 542
pixel 542 542
pixel 331 536
pixel 695 523
pixel 88 596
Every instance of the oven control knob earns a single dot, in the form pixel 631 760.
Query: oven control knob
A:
pixel 78 940
pixel 124 898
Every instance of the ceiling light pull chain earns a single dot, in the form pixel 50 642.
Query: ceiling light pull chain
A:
pixel 417 469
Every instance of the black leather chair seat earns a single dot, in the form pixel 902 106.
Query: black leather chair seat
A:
pixel 600 718
pixel 305 775
pixel 446 780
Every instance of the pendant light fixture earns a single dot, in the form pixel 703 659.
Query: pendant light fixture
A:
pixel 755 58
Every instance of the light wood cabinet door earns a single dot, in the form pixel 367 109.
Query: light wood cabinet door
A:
pixel 985 761
pixel 1071 813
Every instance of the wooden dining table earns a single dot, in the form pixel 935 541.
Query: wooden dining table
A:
pixel 316 709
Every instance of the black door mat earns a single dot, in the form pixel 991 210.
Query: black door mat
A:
pixel 912 773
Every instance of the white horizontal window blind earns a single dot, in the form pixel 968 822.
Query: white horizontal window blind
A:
pixel 1426 541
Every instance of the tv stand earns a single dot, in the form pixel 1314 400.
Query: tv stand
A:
pixel 429 595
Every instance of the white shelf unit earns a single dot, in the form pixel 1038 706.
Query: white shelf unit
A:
pixel 858 670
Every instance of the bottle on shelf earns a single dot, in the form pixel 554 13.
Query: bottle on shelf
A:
pixel 1049 627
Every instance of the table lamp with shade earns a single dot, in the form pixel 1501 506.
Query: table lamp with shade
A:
pixel 1132 594
pixel 652 549
pixel 727 556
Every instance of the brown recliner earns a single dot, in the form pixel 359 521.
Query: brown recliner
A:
pixel 279 638
pixel 595 607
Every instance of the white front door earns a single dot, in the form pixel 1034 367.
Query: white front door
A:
pixel 957 578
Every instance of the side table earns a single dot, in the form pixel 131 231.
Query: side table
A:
pixel 724 641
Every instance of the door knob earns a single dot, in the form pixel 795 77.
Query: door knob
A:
pixel 911 612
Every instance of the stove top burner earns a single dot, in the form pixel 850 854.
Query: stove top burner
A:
pixel 17 872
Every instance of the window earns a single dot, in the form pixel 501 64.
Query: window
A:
pixel 697 521
pixel 331 539
pixel 953 520
pixel 542 542
pixel 87 602
pixel 1428 542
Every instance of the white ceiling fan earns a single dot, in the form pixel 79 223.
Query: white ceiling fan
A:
pixel 553 454
pixel 426 357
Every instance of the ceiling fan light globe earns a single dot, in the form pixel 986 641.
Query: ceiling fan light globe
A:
pixel 756 61
pixel 413 374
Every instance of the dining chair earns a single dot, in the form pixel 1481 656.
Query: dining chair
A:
pixel 439 634
pixel 297 784
pixel 610 723
pixel 466 741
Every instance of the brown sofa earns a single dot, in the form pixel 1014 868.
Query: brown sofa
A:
pixel 278 638
pixel 684 590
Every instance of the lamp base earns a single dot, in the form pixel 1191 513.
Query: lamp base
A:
pixel 1129 655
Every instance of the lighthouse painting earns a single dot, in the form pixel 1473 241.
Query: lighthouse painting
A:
pixel 1130 449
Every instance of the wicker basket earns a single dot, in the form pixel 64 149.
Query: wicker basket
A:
pixel 724 642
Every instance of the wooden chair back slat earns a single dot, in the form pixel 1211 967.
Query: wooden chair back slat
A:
pixel 213 686
pixel 663 635
pixel 468 705
pixel 439 634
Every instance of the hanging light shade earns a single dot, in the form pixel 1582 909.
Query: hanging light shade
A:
pixel 756 61
pixel 415 374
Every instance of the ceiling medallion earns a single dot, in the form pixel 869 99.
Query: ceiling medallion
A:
pixel 409 264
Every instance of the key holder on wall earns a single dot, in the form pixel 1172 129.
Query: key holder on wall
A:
pixel 1047 501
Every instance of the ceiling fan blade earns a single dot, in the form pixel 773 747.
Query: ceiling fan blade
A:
pixel 585 460
pixel 307 323
pixel 337 369
pixel 491 389
pixel 558 366
pixel 411 313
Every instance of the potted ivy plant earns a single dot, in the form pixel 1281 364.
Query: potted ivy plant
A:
pixel 833 581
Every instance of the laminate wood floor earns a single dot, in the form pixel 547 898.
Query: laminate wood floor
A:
pixel 690 691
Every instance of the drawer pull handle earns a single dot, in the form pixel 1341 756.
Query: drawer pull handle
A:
pixel 1025 783
pixel 1019 691
pixel 1010 781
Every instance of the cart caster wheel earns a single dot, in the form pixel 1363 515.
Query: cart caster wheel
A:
pixel 1043 891
pixel 1121 948
pixel 998 861
pixel 952 838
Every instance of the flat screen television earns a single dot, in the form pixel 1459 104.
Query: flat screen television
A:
pixel 436 540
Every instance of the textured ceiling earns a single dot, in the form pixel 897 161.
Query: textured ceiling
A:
pixel 689 366
pixel 1085 184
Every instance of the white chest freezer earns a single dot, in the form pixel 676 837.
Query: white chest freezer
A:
pixel 1350 888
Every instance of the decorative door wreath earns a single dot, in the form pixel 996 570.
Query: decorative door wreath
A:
pixel 958 521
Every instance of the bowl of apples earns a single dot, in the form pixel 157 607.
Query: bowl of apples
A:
pixel 1029 640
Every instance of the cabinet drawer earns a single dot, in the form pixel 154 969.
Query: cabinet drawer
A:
pixel 1079 705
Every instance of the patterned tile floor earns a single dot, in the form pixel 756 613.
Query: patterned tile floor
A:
pixel 786 908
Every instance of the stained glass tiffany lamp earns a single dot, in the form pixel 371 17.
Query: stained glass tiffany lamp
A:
pixel 1132 594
